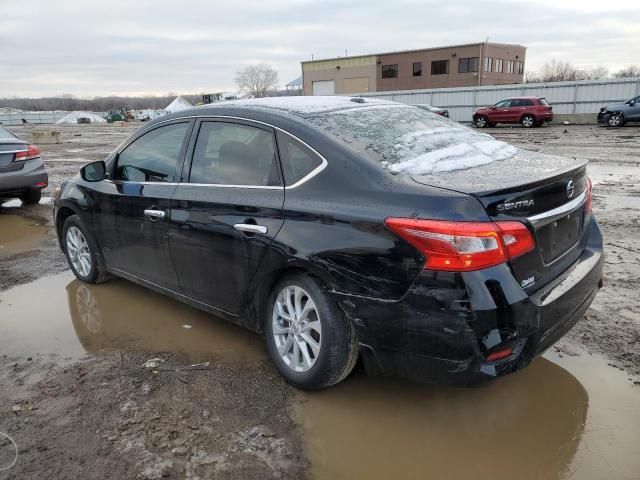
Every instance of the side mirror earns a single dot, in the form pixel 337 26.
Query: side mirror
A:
pixel 94 171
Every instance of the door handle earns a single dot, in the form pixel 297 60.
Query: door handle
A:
pixel 154 215
pixel 250 228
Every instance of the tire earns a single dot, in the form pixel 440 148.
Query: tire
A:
pixel 481 121
pixel 615 120
pixel 80 248
pixel 32 197
pixel 333 334
pixel 528 121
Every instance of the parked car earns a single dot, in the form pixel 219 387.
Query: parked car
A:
pixel 618 114
pixel 341 228
pixel 431 108
pixel 22 173
pixel 528 111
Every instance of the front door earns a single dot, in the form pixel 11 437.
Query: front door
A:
pixel 225 216
pixel 132 207
pixel 500 112
pixel 633 114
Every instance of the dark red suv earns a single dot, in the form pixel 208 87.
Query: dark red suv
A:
pixel 529 111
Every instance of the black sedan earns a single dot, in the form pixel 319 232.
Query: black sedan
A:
pixel 345 228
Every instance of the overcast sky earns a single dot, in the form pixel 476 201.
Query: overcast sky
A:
pixel 102 47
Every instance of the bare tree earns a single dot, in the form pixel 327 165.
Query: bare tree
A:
pixel 257 80
pixel 561 71
pixel 630 71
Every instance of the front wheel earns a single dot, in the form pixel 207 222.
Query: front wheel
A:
pixel 528 121
pixel 616 120
pixel 311 343
pixel 82 252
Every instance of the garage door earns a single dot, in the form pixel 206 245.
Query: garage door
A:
pixel 356 85
pixel 323 87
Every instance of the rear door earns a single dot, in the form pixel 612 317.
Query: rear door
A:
pixel 517 108
pixel 132 208
pixel 227 212
pixel 634 111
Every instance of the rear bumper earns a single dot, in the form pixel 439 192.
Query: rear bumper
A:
pixel 16 182
pixel 442 330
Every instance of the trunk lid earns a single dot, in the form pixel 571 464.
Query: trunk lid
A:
pixel 7 152
pixel 545 192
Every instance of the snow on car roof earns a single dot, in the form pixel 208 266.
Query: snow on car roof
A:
pixel 305 106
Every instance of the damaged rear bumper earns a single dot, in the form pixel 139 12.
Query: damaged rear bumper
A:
pixel 445 327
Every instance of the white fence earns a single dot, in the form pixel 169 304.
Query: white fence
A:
pixel 586 96
pixel 35 117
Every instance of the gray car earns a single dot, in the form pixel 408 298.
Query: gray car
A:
pixel 22 173
pixel 617 114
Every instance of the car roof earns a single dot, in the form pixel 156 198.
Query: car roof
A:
pixel 522 98
pixel 274 108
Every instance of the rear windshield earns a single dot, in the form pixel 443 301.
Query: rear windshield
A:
pixel 543 101
pixel 402 138
pixel 6 134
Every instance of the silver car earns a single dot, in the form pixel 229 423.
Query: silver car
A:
pixel 22 173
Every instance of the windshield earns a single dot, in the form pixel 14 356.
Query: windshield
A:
pixel 402 138
pixel 6 134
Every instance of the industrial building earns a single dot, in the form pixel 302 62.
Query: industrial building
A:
pixel 441 67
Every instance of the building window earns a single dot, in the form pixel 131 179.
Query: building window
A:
pixel 417 69
pixel 520 67
pixel 390 71
pixel 440 67
pixel 510 66
pixel 466 65
pixel 499 62
pixel 488 64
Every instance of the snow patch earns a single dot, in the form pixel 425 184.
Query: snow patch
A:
pixel 74 116
pixel 178 105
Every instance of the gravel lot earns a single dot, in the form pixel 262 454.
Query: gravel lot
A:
pixel 235 418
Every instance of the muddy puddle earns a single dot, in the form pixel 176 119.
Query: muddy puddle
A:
pixel 570 417
pixel 61 316
pixel 19 234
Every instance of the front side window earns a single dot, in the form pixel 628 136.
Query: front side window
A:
pixel 439 67
pixel 234 154
pixel 503 104
pixel 466 65
pixel 297 160
pixel 390 71
pixel 417 69
pixel 154 156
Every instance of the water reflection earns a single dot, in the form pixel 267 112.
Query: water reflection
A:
pixel 528 425
pixel 125 316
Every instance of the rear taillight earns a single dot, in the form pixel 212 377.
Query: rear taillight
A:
pixel 463 246
pixel 31 153
pixel 587 206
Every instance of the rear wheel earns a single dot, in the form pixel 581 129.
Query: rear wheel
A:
pixel 616 120
pixel 481 121
pixel 528 121
pixel 82 252
pixel 311 343
pixel 31 197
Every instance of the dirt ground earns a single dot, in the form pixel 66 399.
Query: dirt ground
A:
pixel 76 398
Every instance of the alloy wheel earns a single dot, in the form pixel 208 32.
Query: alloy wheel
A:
pixel 615 120
pixel 528 121
pixel 296 328
pixel 78 250
pixel 481 122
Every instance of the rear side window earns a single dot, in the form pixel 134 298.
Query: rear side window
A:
pixel 297 160
pixel 234 154
pixel 154 156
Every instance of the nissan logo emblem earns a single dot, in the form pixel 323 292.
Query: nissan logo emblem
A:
pixel 570 189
